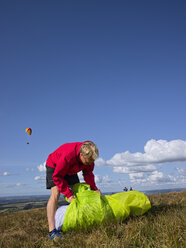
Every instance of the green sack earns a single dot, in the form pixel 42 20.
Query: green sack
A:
pixel 89 208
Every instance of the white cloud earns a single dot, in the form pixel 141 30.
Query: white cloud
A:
pixel 143 167
pixel 6 173
pixel 14 186
pixel 134 176
pixel 159 178
pixel 98 179
pixel 99 162
pixel 39 178
pixel 106 179
pixel 102 179
pixel 42 167
pixel 181 171
pixel 182 175
pixel 156 152
pixel 155 176
pixel 164 151
pixel 134 169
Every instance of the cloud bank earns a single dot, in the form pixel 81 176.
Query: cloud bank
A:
pixel 155 152
pixel 142 167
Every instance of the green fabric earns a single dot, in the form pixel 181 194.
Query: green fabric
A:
pixel 92 209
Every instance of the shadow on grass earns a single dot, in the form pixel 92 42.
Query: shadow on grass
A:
pixel 163 209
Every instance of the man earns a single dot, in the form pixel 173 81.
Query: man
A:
pixel 62 167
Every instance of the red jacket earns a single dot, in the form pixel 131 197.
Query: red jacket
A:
pixel 66 161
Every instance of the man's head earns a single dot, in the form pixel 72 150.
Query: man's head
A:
pixel 88 152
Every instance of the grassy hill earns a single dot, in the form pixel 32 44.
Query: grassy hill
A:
pixel 163 226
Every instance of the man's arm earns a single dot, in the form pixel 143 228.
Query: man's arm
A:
pixel 89 176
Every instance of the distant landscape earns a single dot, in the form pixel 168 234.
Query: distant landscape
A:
pixel 18 203
pixel 14 204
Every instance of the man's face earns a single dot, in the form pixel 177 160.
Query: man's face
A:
pixel 86 161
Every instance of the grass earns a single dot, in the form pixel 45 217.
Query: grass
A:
pixel 163 226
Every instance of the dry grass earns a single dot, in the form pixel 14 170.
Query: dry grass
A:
pixel 163 226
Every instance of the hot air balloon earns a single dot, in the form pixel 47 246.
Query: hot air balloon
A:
pixel 29 131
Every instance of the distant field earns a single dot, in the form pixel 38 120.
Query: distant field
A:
pixel 163 226
pixel 14 207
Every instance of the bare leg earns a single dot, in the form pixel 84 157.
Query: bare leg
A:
pixel 52 207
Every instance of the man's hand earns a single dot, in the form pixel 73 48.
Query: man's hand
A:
pixel 98 191
pixel 71 198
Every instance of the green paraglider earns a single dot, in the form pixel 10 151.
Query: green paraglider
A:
pixel 89 208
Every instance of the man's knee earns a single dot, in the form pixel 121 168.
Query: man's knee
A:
pixel 55 193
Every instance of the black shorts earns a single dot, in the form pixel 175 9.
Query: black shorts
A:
pixel 71 180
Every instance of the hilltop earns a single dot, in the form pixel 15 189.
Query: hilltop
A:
pixel 162 226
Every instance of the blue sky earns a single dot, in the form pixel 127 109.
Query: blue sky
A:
pixel 109 71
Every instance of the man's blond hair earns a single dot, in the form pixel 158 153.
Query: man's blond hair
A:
pixel 89 150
